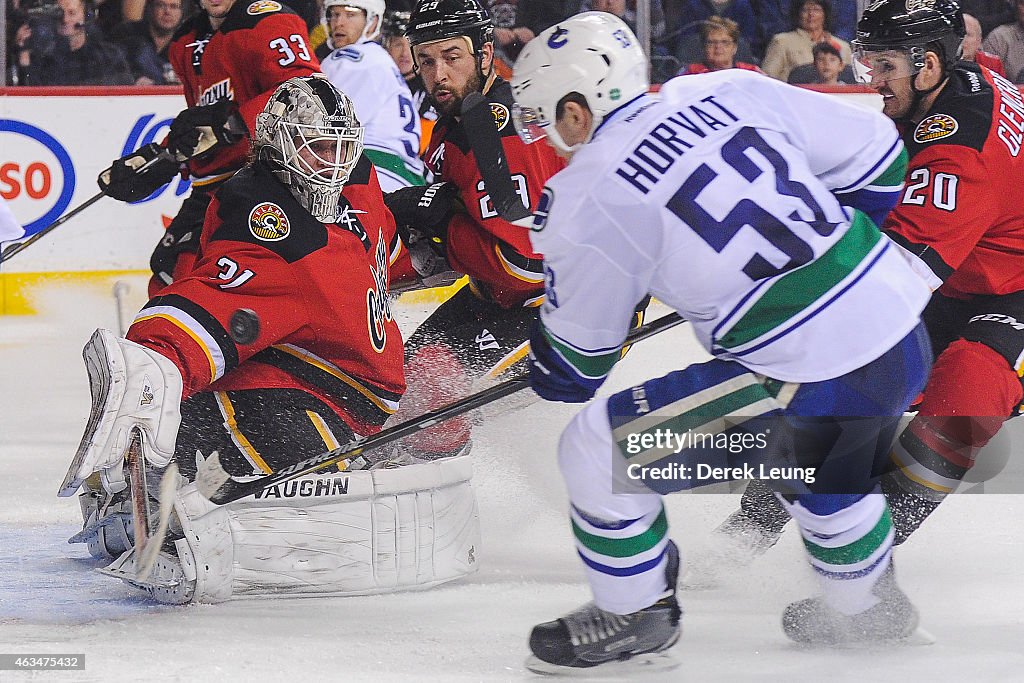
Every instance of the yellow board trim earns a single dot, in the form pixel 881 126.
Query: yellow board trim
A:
pixel 20 292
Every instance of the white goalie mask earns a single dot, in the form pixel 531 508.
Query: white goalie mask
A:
pixel 309 134
pixel 374 10
pixel 594 54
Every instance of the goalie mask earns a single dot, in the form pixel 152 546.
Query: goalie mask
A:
pixel 594 54
pixel 310 136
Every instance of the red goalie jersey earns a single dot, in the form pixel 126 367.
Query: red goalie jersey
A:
pixel 961 211
pixel 277 299
pixel 495 254
pixel 260 45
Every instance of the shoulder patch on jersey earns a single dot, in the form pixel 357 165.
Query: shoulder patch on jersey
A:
pixel 263 7
pixel 935 127
pixel 268 222
pixel 540 214
pixel 500 114
pixel 254 208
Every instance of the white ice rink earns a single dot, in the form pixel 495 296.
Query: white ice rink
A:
pixel 964 570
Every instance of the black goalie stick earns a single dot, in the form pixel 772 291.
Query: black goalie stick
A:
pixel 219 487
pixel 479 124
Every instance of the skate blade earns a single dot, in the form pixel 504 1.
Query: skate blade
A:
pixel 919 638
pixel 629 669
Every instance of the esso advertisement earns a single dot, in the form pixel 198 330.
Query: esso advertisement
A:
pixel 37 175
pixel 52 148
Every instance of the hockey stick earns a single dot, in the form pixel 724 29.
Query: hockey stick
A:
pixel 478 122
pixel 19 247
pixel 216 485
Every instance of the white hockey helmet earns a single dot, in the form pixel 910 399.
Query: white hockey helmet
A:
pixel 594 54
pixel 309 135
pixel 374 10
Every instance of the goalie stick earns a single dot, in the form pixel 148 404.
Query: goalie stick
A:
pixel 219 487
pixel 478 122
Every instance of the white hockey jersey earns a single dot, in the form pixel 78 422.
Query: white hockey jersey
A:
pixel 722 198
pixel 367 74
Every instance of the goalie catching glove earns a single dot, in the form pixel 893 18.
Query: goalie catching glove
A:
pixel 197 130
pixel 131 386
pixel 139 174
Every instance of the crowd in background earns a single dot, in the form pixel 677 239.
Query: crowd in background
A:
pixel 124 42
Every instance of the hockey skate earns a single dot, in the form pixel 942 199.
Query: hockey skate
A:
pixel 893 620
pixel 619 644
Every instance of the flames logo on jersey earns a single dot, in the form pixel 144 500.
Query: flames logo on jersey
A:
pixel 263 6
pixel 500 114
pixel 378 308
pixel 935 127
pixel 267 222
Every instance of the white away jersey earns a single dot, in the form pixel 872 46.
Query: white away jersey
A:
pixel 720 199
pixel 367 74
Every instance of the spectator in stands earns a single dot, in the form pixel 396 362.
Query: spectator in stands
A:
pixel 758 20
pixel 145 42
pixel 1007 43
pixel 720 38
pixel 972 47
pixel 812 22
pixel 110 14
pixel 989 13
pixel 509 34
pixel 826 69
pixel 80 55
pixel 627 12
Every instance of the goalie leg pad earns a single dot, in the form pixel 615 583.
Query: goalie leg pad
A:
pixel 350 533
pixel 131 386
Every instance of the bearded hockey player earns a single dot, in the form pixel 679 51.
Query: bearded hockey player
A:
pixel 961 225
pixel 481 331
pixel 229 58
pixel 365 72
pixel 730 198
pixel 278 345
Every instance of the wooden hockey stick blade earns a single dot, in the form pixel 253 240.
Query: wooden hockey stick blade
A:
pixel 217 486
pixel 478 122
pixel 147 555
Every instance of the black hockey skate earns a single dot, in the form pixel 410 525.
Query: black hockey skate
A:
pixel 892 620
pixel 590 636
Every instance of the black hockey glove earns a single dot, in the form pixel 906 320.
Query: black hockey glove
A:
pixel 198 130
pixel 139 174
pixel 428 208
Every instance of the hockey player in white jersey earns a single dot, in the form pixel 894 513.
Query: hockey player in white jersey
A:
pixel 734 199
pixel 365 72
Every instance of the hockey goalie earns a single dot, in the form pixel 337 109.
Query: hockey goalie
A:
pixel 278 345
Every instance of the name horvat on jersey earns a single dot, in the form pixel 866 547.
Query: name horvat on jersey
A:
pixel 666 142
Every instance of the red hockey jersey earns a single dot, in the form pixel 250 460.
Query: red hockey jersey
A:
pixel 320 318
pixel 961 211
pixel 494 253
pixel 260 45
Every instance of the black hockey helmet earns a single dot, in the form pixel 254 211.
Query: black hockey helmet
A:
pixel 917 26
pixel 441 19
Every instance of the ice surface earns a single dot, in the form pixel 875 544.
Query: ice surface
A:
pixel 963 569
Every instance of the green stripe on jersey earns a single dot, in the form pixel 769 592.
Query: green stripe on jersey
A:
pixel 796 291
pixel 591 367
pixel 393 163
pixel 624 547
pixel 855 552
pixel 893 175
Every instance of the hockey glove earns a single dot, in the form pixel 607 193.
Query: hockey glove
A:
pixel 552 378
pixel 139 174
pixel 198 130
pixel 427 208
